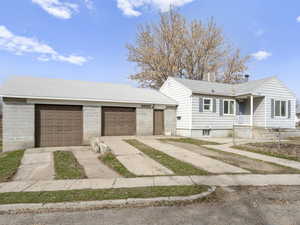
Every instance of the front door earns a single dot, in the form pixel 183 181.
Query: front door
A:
pixel 158 122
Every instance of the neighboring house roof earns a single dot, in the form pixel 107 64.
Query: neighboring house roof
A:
pixel 205 87
pixel 50 88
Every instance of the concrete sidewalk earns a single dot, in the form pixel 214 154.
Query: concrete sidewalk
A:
pixel 215 180
pixel 276 160
pixel 197 160
pixel 133 159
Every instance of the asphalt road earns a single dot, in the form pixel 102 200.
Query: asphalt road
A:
pixel 265 206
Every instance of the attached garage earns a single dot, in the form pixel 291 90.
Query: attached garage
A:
pixel 58 125
pixel 118 121
pixel 47 112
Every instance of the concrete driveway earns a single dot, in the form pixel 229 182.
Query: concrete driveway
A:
pixel 37 164
pixel 134 160
pixel 206 163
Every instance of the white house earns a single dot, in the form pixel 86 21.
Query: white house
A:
pixel 211 109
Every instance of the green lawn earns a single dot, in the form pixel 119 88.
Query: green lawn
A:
pixel 103 194
pixel 189 141
pixel 177 166
pixel 111 161
pixel 9 163
pixel 66 166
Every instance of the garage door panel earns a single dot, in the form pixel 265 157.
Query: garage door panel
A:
pixel 58 125
pixel 118 121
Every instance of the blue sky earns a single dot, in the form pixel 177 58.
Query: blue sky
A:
pixel 85 39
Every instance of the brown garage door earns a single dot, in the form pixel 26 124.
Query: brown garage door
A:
pixel 117 121
pixel 57 125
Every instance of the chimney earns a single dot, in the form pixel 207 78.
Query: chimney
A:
pixel 211 77
pixel 247 76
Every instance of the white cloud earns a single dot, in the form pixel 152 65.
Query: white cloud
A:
pixel 89 4
pixel 261 55
pixel 129 6
pixel 57 8
pixel 298 19
pixel 20 45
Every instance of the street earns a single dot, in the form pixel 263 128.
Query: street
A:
pixel 247 205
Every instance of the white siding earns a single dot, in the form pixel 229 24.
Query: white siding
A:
pixel 274 89
pixel 259 112
pixel 184 132
pixel 210 120
pixel 182 95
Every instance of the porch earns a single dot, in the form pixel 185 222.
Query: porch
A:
pixel 247 108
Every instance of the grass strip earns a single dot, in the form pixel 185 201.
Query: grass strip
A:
pixel 278 155
pixel 100 194
pixel 9 164
pixel 111 161
pixel 177 166
pixel 189 141
pixel 254 171
pixel 67 167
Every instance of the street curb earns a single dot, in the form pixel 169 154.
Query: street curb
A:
pixel 70 206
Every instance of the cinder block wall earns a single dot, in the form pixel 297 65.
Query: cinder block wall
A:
pixel 18 125
pixel 144 121
pixel 170 121
pixel 91 123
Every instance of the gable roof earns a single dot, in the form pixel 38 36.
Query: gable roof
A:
pixel 53 88
pixel 214 88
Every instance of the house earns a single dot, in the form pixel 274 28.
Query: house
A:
pixel 211 109
pixel 41 112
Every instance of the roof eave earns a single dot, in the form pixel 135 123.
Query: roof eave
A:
pixel 87 100
pixel 216 94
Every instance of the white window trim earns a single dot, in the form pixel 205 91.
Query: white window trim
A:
pixel 234 107
pixel 286 108
pixel 210 106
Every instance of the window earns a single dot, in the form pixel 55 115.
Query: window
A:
pixel 280 108
pixel 283 108
pixel 277 108
pixel 206 132
pixel 229 107
pixel 207 102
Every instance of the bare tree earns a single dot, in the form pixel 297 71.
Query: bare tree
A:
pixel 234 68
pixel 175 47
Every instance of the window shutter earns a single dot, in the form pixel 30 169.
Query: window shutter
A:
pixel 200 104
pixel 289 108
pixel 272 108
pixel 214 105
pixel 221 107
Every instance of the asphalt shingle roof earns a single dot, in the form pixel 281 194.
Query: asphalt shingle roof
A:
pixel 205 87
pixel 53 88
